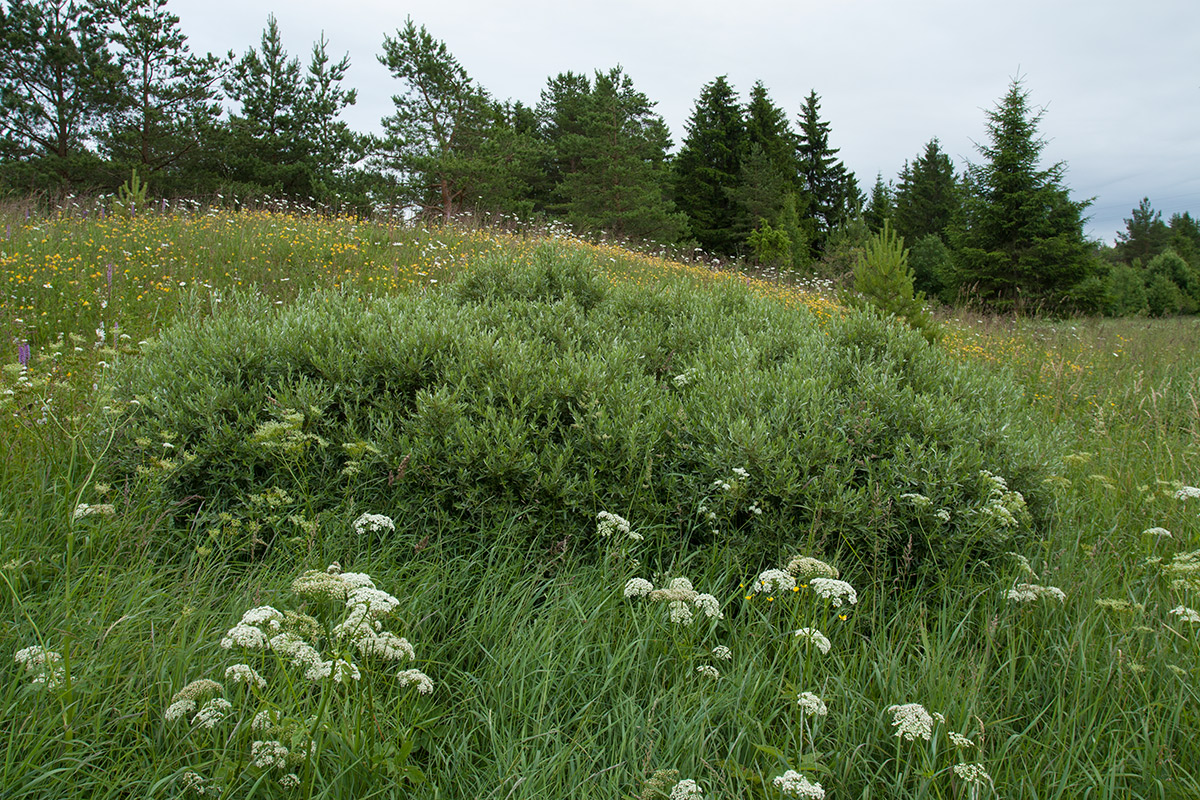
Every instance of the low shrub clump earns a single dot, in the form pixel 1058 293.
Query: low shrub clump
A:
pixel 534 392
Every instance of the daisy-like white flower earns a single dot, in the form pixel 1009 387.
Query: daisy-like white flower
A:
pixel 814 636
pixel 837 592
pixel 1186 614
pixel 708 606
pixel 793 784
pixel 804 568
pixel 774 580
pixel 416 677
pixel 811 705
pixel 638 587
pixel 912 721
pixel 686 790
pixel 1032 592
pixel 268 754
pixel 373 523
pixel 244 673
pixel 708 671
pixel 722 652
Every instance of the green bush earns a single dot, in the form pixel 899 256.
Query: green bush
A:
pixel 883 278
pixel 1126 290
pixel 534 393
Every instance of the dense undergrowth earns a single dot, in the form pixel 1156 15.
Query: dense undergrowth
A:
pixel 147 505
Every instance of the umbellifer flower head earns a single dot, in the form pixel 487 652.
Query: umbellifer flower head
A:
pixel 837 592
pixel 972 773
pixel 686 790
pixel 912 721
pixel 1031 592
pixel 774 580
pixel 793 784
pixel 638 587
pixel 814 636
pixel 1186 614
pixel 373 523
pixel 805 568
pixel 811 705
pixel 416 677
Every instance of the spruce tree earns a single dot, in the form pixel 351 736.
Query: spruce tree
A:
pixel 881 207
pixel 927 195
pixel 1021 242
pixel 832 192
pixel 709 166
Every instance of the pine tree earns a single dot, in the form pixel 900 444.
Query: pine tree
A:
pixel 168 97
pixel 927 195
pixel 434 139
pixel 619 180
pixel 883 279
pixel 709 166
pixel 1021 241
pixel 1145 235
pixel 58 81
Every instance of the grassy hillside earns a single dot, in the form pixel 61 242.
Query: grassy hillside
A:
pixel 201 412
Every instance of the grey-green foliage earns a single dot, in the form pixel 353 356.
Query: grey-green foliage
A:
pixel 534 393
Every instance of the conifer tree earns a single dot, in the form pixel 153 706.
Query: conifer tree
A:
pixel 1145 235
pixel 833 195
pixel 1022 239
pixel 926 196
pixel 168 97
pixel 709 165
pixel 881 207
pixel 883 279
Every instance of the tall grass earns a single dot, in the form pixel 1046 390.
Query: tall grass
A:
pixel 548 681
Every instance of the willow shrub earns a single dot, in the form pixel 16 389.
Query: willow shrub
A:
pixel 534 389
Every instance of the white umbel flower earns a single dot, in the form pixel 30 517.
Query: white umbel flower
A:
pixel 1188 493
pixel 972 773
pixel 385 645
pixel 268 754
pixel 1032 592
pixel 43 664
pixel 609 525
pixel 686 790
pixel 212 712
pixel 722 652
pixel 341 670
pixel 912 721
pixel 416 677
pixel 244 673
pixel 1186 614
pixel 814 636
pixel 373 523
pixel 680 612
pixel 376 601
pixel 708 671
pixel 774 580
pixel 837 592
pixel 708 606
pixel 638 587
pixel 811 705
pixel 289 645
pixel 806 567
pixel 793 784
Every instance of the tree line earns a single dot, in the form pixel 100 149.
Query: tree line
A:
pixel 93 90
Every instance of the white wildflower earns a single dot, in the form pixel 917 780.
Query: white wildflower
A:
pixel 740 472
pixel 609 525
pixel 686 790
pixel 43 664
pixel 774 580
pixel 385 645
pixel 1161 533
pixel 415 676
pixel 814 636
pixel 793 784
pixel 264 720
pixel 912 721
pixel 722 652
pixel 943 514
pixel 268 754
pixel 212 712
pixel 1031 592
pixel 638 587
pixel 324 585
pixel 247 636
pixel 373 523
pixel 709 606
pixel 681 585
pixel 265 617
pixel 811 705
pixel 1188 493
pixel 960 741
pixel 84 510
pixel 1023 564
pixel 197 690
pixel 178 710
pixel 289 645
pixel 805 567
pixel 341 670
pixel 376 601
pixel 708 671
pixel 918 500
pixel 972 773
pixel 837 592
pixel 1186 614
pixel 290 781
pixel 244 673
pixel 680 612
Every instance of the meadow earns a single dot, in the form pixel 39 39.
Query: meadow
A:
pixel 293 505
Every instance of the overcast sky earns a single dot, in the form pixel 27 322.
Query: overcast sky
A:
pixel 1120 82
